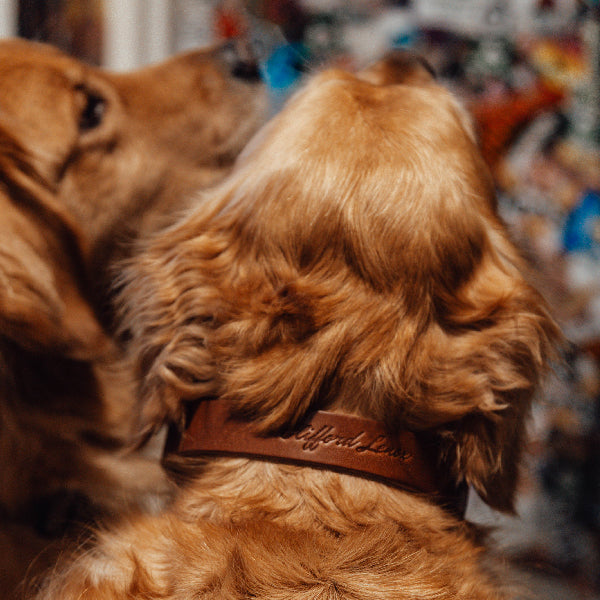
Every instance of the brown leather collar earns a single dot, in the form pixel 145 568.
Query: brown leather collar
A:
pixel 331 440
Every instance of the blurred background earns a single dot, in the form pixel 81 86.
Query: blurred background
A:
pixel 529 71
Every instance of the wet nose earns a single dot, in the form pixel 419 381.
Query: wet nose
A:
pixel 248 71
pixel 240 59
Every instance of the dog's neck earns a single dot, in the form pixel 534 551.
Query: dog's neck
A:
pixel 331 442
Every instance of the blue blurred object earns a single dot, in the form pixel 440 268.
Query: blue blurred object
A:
pixel 282 71
pixel 284 67
pixel 581 232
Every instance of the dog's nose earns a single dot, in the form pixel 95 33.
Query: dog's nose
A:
pixel 246 70
pixel 240 58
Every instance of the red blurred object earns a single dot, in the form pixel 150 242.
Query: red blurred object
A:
pixel 500 120
pixel 230 21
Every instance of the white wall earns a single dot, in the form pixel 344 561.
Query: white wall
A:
pixel 8 18
pixel 137 32
pixel 158 31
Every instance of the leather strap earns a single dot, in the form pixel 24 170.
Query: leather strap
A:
pixel 342 442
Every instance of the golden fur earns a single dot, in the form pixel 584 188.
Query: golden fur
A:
pixel 354 262
pixel 90 160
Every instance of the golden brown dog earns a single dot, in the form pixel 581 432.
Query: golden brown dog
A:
pixel 90 160
pixel 353 318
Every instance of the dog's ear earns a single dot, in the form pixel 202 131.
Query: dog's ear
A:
pixel 489 346
pixel 43 304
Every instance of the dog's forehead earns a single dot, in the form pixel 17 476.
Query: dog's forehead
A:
pixel 38 99
pixel 35 79
pixel 13 52
pixel 36 68
pixel 29 94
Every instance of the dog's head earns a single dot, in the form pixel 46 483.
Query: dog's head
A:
pixel 353 261
pixel 89 160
